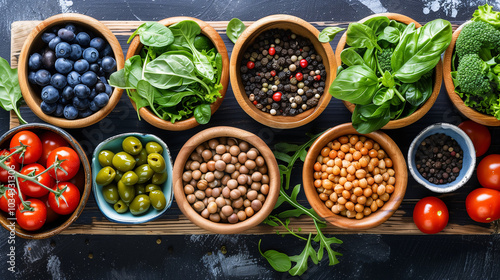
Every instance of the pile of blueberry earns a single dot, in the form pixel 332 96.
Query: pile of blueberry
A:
pixel 72 72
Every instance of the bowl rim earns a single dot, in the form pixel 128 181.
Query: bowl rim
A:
pixel 136 219
pixel 419 138
pixel 27 90
pixel 438 76
pixel 210 32
pixel 232 132
pixel 382 214
pixel 87 171
pixel 251 32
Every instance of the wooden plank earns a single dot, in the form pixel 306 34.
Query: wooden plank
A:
pixel 173 223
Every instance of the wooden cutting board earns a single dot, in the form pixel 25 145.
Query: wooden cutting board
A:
pixel 174 223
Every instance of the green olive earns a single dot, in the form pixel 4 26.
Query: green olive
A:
pixel 123 162
pixel 157 162
pixel 159 178
pixel 129 178
pixel 158 200
pixel 154 147
pixel 140 204
pixel 141 158
pixel 110 193
pixel 118 175
pixel 127 193
pixel 132 145
pixel 105 158
pixel 105 176
pixel 152 187
pixel 144 172
pixel 120 207
pixel 140 189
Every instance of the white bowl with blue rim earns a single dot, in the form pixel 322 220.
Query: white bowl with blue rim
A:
pixel 468 151
pixel 114 144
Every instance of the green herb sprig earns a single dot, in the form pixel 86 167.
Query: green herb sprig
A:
pixel 10 92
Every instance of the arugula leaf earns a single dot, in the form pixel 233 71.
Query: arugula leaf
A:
pixel 10 92
pixel 234 29
pixel 282 156
pixel 328 34
pixel 279 261
pixel 302 259
pixel 153 34
pixel 325 243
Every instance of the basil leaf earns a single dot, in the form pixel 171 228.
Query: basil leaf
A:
pixel 202 113
pixel 328 34
pixel 390 34
pixel 370 59
pixel 153 34
pixel 350 57
pixel 383 95
pixel 10 92
pixel 170 70
pixel 388 80
pixel 279 261
pixel 234 29
pixel 378 117
pixel 361 36
pixel 356 84
pixel 377 24
pixel 417 93
pixel 399 25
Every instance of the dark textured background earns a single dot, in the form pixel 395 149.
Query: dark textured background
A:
pixel 201 256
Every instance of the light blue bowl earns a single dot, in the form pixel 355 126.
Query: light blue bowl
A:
pixel 469 156
pixel 114 144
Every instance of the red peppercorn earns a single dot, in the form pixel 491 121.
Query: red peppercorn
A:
pixel 273 73
pixel 299 76
pixel 277 96
pixel 255 102
pixel 317 77
pixel 251 64
pixel 272 51
pixel 303 63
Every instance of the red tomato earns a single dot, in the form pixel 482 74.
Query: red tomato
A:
pixel 50 141
pixel 71 163
pixel 483 205
pixel 488 172
pixel 69 203
pixel 4 174
pixel 51 214
pixel 32 189
pixel 430 215
pixel 32 220
pixel 9 199
pixel 479 134
pixel 33 150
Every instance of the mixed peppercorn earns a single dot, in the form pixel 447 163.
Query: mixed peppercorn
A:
pixel 282 73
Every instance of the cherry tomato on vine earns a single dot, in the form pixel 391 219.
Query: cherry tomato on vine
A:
pixel 9 199
pixel 483 205
pixel 430 215
pixel 30 188
pixel 71 163
pixel 4 174
pixel 32 220
pixel 488 172
pixel 479 134
pixel 33 150
pixel 51 214
pixel 69 203
pixel 50 141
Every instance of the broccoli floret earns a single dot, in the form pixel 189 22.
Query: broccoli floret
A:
pixel 472 76
pixel 485 13
pixel 478 37
pixel 384 59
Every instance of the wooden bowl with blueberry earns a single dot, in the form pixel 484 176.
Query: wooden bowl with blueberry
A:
pixel 63 70
pixel 280 72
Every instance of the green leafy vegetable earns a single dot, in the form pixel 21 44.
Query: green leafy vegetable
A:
pixel 202 113
pixel 356 84
pixel 377 24
pixel 153 34
pixel 10 92
pixel 350 57
pixel 234 29
pixel 326 35
pixel 361 36
pixel 279 261
pixel 302 259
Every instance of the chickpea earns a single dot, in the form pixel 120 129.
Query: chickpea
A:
pixel 359 216
pixel 384 197
pixel 346 194
pixel 323 196
pixel 335 209
pixel 249 211
pixel 389 189
pixel 215 218
pixel 329 204
pixel 350 214
pixel 191 198
pixel 325 151
pixel 264 189
pixel 362 200
pixel 334 197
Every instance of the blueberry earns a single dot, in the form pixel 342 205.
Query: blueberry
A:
pixel 58 81
pixel 93 94
pixel 93 106
pixel 50 94
pixel 80 104
pixel 101 99
pixel 81 91
pixel 76 52
pixel 31 77
pixel 85 113
pixel 35 61
pixel 42 77
pixel 47 37
pixel 108 64
pixel 83 39
pixel 49 59
pixel 103 79
pixel 81 66
pixel 74 78
pixel 71 27
pixel 89 78
pixel 108 51
pixel 48 108
pixel 94 67
pixel 64 101
pixel 109 90
pixel 98 43
pixel 91 54
pixel 53 43
pixel 59 112
pixel 68 93
pixel 100 87
pixel 63 65
pixel 66 35
pixel 70 112
pixel 63 49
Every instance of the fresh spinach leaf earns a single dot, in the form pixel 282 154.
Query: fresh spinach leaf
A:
pixel 202 113
pixel 218 67
pixel 361 36
pixel 153 34
pixel 202 43
pixel 117 79
pixel 356 84
pixel 279 261
pixel 328 34
pixel 390 34
pixel 133 71
pixel 377 24
pixel 168 98
pixel 148 92
pixel 234 29
pixel 170 70
pixel 350 57
pixel 10 91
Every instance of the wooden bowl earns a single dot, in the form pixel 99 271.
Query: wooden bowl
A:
pixel 438 77
pixel 34 43
pixel 273 172
pixel 82 180
pixel 207 30
pixel 469 112
pixel 382 214
pixel 247 38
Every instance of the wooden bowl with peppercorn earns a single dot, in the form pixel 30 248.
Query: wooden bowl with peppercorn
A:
pixel 438 77
pixel 338 187
pixel 282 84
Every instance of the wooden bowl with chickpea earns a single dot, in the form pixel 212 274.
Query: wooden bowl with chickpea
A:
pixel 354 181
